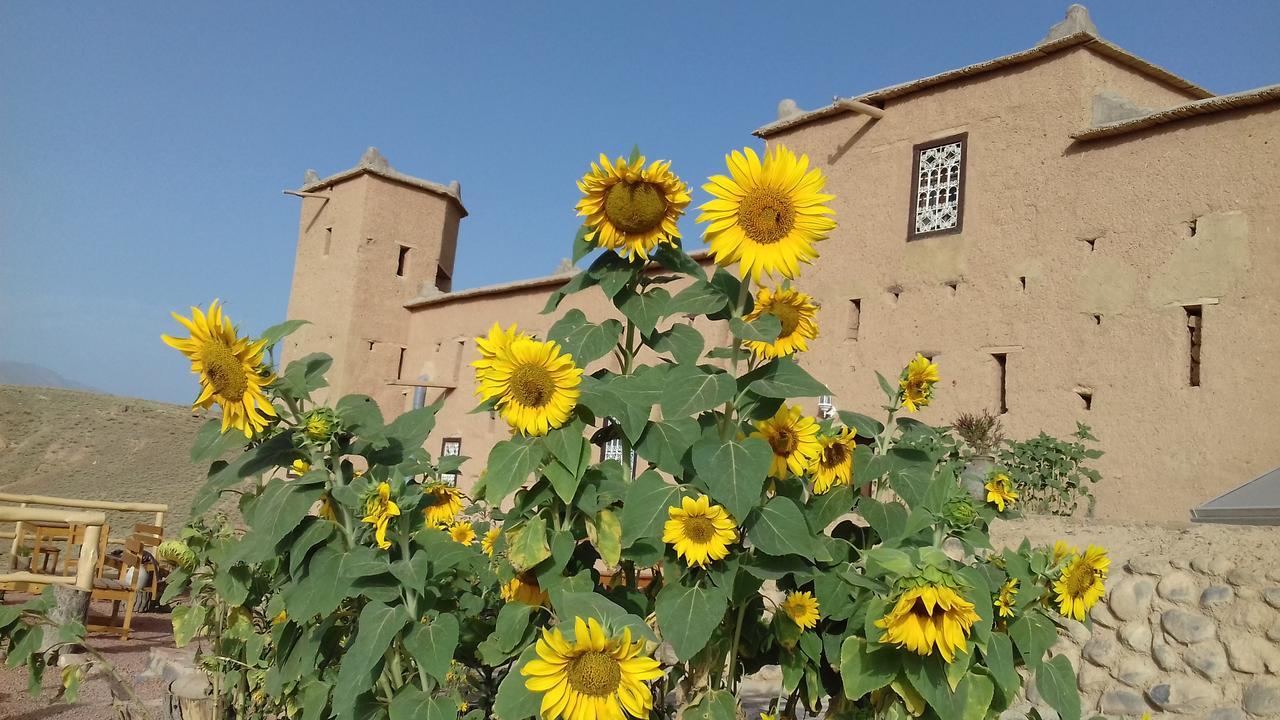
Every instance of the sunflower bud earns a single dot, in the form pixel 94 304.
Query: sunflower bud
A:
pixel 960 512
pixel 177 553
pixel 321 424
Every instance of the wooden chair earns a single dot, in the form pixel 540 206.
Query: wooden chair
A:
pixel 150 537
pixel 122 588
pixel 49 541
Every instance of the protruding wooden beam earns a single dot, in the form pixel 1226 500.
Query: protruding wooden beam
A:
pixel 857 106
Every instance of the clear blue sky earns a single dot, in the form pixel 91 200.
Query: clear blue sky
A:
pixel 143 147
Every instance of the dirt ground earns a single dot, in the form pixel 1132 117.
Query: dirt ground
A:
pixel 130 656
pixel 1257 547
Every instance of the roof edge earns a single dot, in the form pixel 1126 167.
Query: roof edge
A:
pixel 374 164
pixel 1217 103
pixel 1045 49
pixel 701 256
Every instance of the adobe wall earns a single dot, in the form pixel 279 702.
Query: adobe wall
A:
pixel 1104 318
pixel 1075 264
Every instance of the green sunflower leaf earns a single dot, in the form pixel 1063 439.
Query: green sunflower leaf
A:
pixel 698 298
pixel 864 671
pixel 644 309
pixel 510 464
pixel 780 529
pixel 782 378
pixel 691 389
pixel 688 616
pixel 527 546
pixel 734 471
pixel 432 644
pixel 765 328
pixel 645 509
pixel 682 342
pixel 1056 682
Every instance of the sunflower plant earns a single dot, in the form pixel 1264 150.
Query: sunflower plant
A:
pixel 725 531
pixel 735 531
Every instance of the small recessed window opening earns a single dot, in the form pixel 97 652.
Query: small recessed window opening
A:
pixel 1191 227
pixel 1002 362
pixel 370 346
pixel 855 318
pixel 894 293
pixel 1195 329
pixel 1097 319
pixel 400 365
pixel 328 238
pixel 402 263
pixel 1092 243
pixel 1022 282
pixel 1086 397
pixel 954 285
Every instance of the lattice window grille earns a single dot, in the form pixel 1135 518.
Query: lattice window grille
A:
pixel 938 188
pixel 614 450
pixel 451 447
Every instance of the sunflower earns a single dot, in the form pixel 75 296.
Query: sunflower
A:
pixel 489 540
pixel 595 677
pixel 630 208
pixel 300 467
pixel 699 531
pixel 833 465
pixel 767 215
pixel 927 617
pixel 536 385
pixel 1000 491
pixel 443 503
pixel 1004 601
pixel 1080 585
pixel 462 533
pixel 1063 550
pixel 495 344
pixel 915 388
pixel 231 369
pixel 796 313
pixel 524 588
pixel 794 439
pixel 379 509
pixel 802 608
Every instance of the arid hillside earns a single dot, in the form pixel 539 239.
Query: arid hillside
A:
pixel 70 443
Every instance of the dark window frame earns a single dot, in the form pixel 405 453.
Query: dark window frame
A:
pixel 916 151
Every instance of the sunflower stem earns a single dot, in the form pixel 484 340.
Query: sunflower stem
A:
pixel 731 407
pixel 732 664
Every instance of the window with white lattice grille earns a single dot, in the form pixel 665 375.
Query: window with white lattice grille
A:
pixel 450 447
pixel 937 187
pixel 613 449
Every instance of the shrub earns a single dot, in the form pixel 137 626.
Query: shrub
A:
pixel 980 432
pixel 1051 474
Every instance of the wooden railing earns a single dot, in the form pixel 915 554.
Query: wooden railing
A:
pixel 25 501
pixel 88 562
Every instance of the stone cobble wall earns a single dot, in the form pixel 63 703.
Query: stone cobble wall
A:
pixel 1179 637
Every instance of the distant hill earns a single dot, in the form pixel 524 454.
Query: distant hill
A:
pixel 19 373
pixel 76 444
